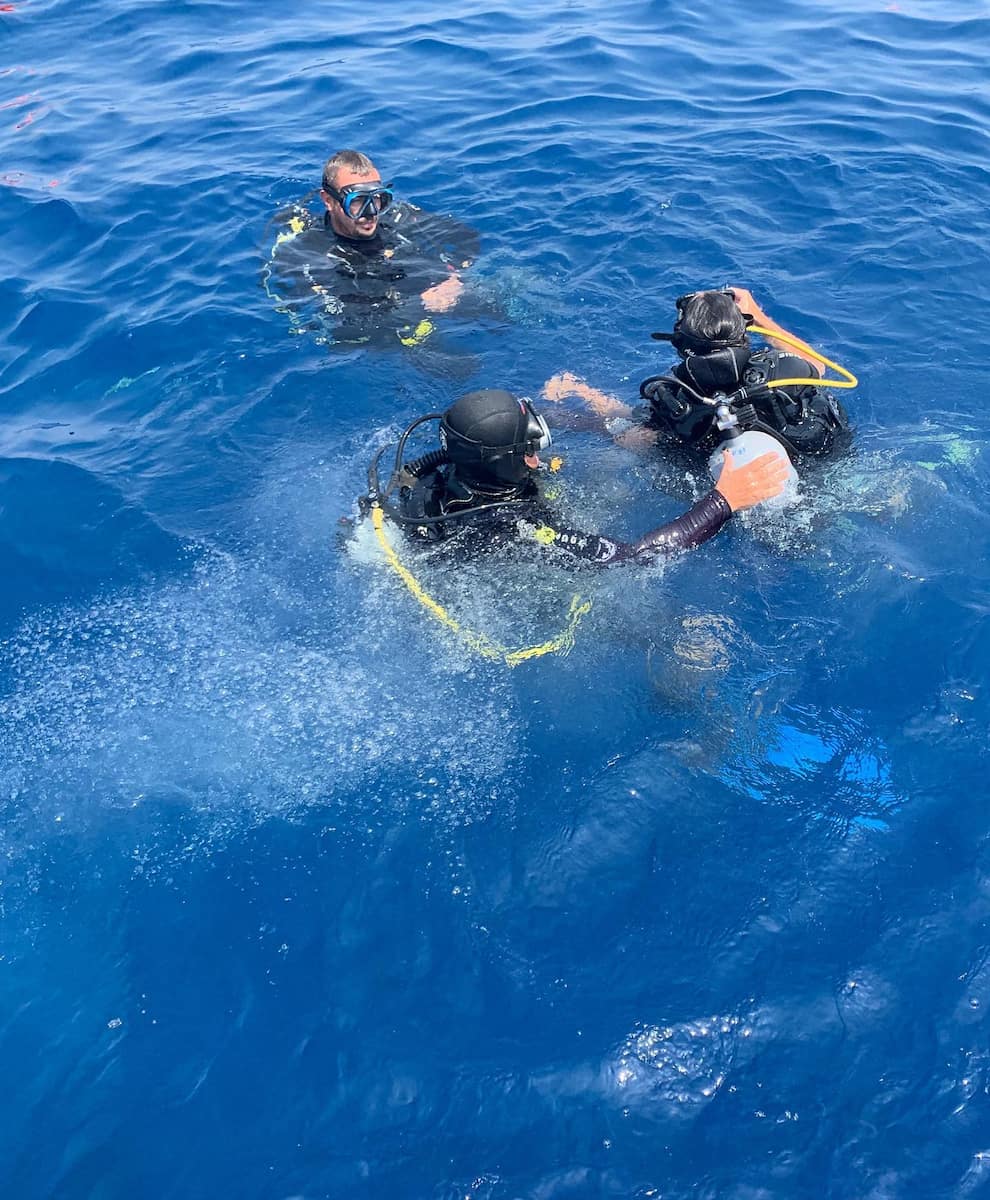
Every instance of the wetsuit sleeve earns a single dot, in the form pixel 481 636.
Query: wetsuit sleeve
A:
pixel 701 522
pixel 431 248
pixel 292 248
pixel 454 245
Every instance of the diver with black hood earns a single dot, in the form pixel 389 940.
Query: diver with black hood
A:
pixel 484 480
pixel 765 388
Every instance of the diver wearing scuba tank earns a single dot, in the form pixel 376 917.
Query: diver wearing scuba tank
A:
pixel 711 337
pixel 375 269
pixel 483 481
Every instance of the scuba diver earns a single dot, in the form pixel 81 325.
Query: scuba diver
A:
pixel 711 337
pixel 764 389
pixel 373 269
pixel 482 485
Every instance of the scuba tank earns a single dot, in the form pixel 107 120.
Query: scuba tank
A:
pixel 747 444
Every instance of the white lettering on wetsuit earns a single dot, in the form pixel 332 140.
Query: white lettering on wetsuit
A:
pixel 582 545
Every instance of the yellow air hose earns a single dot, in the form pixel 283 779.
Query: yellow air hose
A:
pixel 850 380
pixel 480 643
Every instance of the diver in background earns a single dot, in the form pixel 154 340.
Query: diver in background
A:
pixel 482 486
pixel 711 337
pixel 374 268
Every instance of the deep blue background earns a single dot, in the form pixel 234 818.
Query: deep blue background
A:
pixel 299 900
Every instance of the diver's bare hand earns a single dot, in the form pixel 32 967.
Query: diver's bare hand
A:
pixel 443 296
pixel 749 484
pixel 786 341
pixel 746 302
pixel 565 383
pixel 558 387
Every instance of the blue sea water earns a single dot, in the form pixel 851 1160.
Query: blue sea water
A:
pixel 299 898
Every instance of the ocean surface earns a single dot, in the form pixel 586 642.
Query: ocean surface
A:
pixel 300 899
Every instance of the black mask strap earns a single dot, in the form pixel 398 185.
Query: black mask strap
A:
pixel 688 343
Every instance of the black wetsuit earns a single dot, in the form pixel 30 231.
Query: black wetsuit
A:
pixel 364 290
pixel 527 518
pixel 809 419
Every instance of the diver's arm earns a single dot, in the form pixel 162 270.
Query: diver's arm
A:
pixel 442 297
pixel 608 408
pixel 558 387
pixel 748 306
pixel 450 248
pixel 701 522
pixel 737 488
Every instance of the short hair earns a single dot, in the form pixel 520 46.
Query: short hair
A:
pixel 346 158
pixel 713 316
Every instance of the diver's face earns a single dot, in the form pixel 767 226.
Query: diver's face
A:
pixel 364 226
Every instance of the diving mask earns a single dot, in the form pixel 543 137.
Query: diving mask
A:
pixel 537 431
pixel 360 200
pixel 687 342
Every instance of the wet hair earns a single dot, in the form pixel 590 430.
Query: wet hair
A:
pixel 714 317
pixel 346 158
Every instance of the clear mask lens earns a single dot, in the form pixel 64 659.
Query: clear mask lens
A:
pixel 538 433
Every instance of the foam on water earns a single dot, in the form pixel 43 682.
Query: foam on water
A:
pixel 679 1067
pixel 240 771
pixel 204 691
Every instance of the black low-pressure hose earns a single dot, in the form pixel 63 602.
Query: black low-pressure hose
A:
pixel 426 462
pixel 677 383
pixel 449 518
pixel 373 484
pixel 401 447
